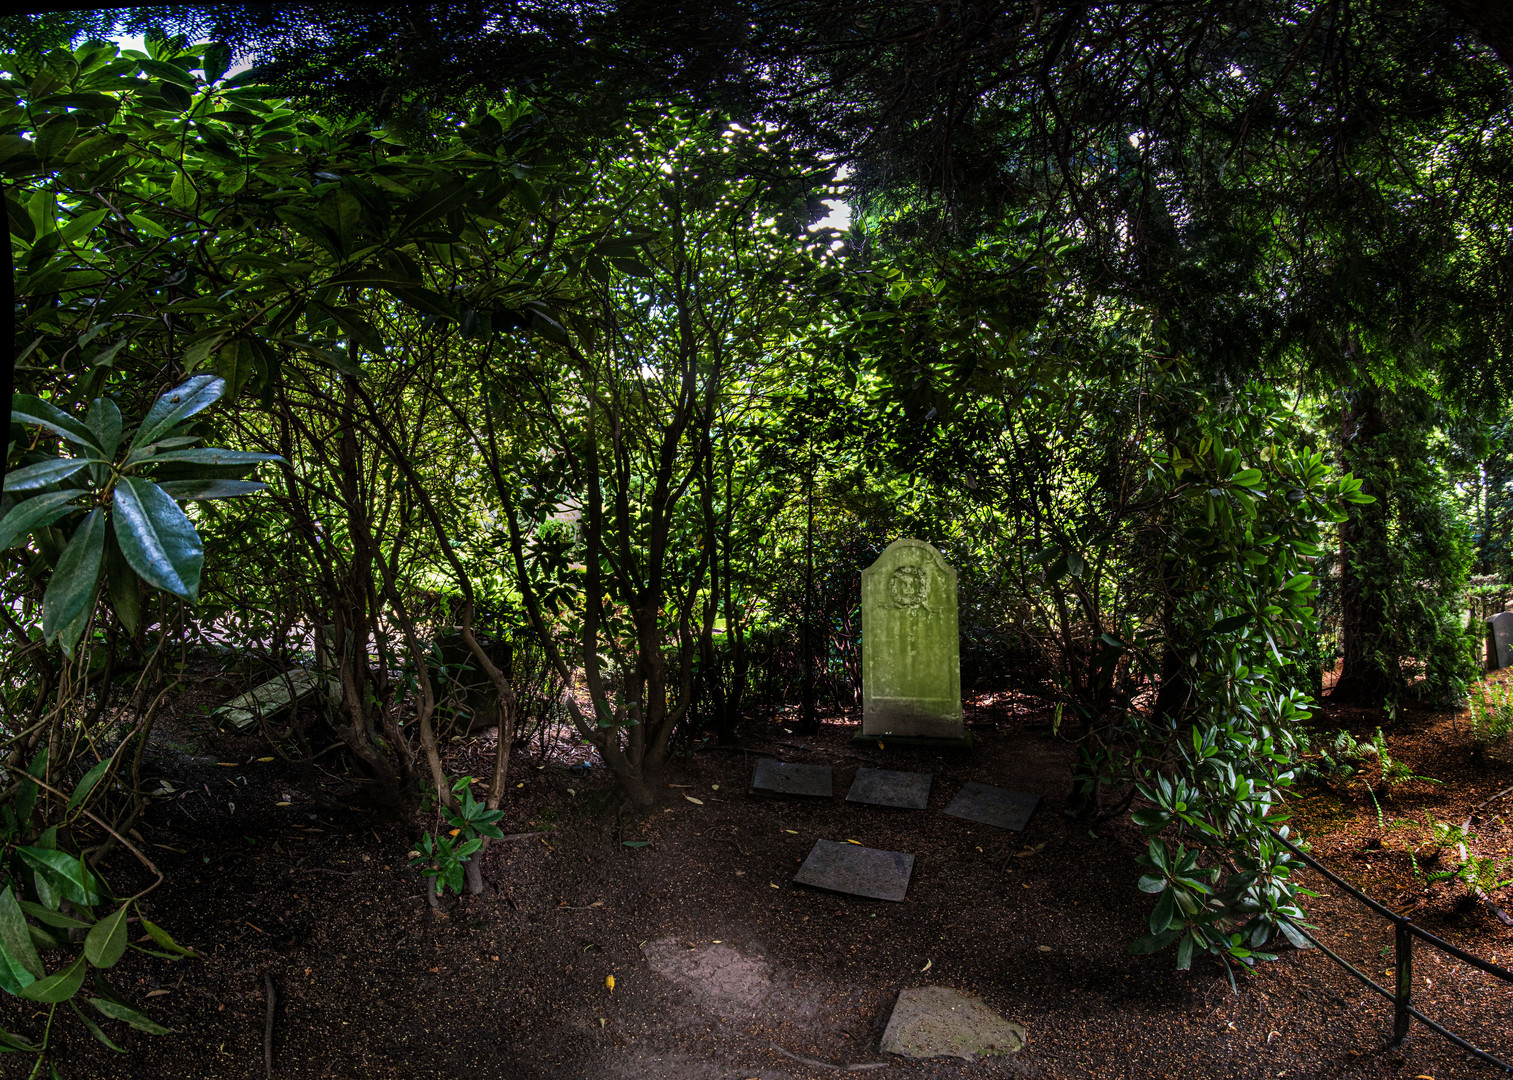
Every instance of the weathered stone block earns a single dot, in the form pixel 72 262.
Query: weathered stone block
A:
pixel 937 1021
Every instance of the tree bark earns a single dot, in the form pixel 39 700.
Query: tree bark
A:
pixel 1363 679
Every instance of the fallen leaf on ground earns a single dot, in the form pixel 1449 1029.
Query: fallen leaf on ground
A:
pixel 696 802
pixel 1043 948
pixel 265 759
pixel 928 963
pixel 609 983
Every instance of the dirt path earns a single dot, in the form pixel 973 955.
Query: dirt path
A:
pixel 722 967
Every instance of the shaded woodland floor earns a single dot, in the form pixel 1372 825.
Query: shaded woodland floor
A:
pixel 722 967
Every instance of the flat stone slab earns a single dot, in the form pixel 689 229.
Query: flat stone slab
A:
pixel 786 778
pixel 937 1021
pixel 860 871
pixel 996 806
pixel 888 787
pixel 273 697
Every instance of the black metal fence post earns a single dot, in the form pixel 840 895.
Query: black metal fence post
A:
pixel 1401 1000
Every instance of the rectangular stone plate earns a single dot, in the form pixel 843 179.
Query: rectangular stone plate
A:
pixel 888 787
pixel 786 778
pixel 860 871
pixel 995 806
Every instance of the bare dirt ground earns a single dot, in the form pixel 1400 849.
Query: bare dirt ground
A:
pixel 725 970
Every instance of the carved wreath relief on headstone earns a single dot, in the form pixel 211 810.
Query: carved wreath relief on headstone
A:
pixel 911 655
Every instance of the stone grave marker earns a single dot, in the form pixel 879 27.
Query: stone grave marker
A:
pixel 911 648
pixel 275 697
pixel 1500 641
pixel 996 806
pixel 937 1021
pixel 860 871
pixel 888 787
pixel 462 684
pixel 787 778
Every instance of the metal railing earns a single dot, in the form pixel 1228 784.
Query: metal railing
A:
pixel 1401 995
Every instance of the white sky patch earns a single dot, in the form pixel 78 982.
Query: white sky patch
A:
pixel 839 216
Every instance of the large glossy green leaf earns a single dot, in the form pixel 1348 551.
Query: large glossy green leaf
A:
pixel 161 69
pixel 26 791
pixel 116 1011
pixel 157 539
pixel 216 61
pixel 35 513
pixel 86 785
pixel 106 942
pixel 341 213
pixel 53 918
pixel 355 326
pixel 71 592
pixel 176 406
pixel 173 442
pixel 19 964
pixel 43 473
pixel 210 489
pixel 58 987
pixel 212 455
pixel 104 419
pixel 238 362
pixel 42 939
pixel 26 409
pixel 66 873
pixel 123 586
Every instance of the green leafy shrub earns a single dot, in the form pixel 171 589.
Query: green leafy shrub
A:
pixel 131 526
pixel 55 904
pixel 443 857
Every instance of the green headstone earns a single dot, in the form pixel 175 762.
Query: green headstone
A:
pixel 911 650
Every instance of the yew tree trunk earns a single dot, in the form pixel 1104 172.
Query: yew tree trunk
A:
pixel 1364 680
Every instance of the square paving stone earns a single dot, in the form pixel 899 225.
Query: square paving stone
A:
pixel 888 787
pixel 786 778
pixel 860 871
pixel 994 806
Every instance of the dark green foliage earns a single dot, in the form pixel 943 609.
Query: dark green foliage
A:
pixel 1408 556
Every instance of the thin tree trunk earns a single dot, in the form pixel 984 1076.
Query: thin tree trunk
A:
pixel 1363 679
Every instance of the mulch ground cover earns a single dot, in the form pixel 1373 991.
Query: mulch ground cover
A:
pixel 723 968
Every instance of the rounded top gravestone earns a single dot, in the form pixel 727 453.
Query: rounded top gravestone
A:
pixel 911 652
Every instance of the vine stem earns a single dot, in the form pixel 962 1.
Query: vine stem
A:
pixel 143 859
pixel 47 1034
